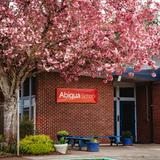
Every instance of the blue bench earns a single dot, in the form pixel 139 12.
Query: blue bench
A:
pixel 81 141
pixel 113 139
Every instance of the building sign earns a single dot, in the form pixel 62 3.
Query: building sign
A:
pixel 71 95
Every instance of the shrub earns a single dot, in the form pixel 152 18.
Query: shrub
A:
pixel 11 147
pixel 63 133
pixel 94 140
pixel 2 138
pixel 26 128
pixel 37 144
pixel 62 141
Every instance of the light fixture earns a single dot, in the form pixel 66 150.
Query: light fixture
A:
pixel 119 78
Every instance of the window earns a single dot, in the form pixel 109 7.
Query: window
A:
pixel 27 98
pixel 127 92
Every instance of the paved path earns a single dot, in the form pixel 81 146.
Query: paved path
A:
pixel 136 152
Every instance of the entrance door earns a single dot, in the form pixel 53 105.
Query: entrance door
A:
pixel 125 110
pixel 127 117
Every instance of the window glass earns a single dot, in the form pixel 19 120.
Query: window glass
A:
pixel 20 92
pixel 26 87
pixel 127 92
pixel 32 112
pixel 114 91
pixel 33 86
pixel 26 113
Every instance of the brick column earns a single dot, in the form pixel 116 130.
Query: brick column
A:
pixel 144 118
pixel 156 111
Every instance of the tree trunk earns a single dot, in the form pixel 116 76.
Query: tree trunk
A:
pixel 10 117
pixel 9 85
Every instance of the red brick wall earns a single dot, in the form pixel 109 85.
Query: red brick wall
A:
pixel 78 119
pixel 156 112
pixel 144 124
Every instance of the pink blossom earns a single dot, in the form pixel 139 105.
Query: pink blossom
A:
pixel 75 37
pixel 153 74
pixel 110 78
pixel 131 74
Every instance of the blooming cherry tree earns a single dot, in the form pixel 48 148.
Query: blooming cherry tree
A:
pixel 73 37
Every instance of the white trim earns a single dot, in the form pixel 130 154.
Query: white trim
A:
pixel 118 112
pixel 124 84
pixel 34 118
pixel 25 101
pixel 127 99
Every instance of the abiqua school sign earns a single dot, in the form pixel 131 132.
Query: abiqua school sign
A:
pixel 74 95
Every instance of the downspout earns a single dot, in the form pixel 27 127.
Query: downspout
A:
pixel 147 104
pixel 151 110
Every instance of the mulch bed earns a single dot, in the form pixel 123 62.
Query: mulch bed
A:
pixel 14 157
pixel 11 157
pixel 7 156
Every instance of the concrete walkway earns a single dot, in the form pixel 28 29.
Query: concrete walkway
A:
pixel 136 152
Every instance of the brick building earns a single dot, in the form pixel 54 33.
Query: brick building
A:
pixel 131 104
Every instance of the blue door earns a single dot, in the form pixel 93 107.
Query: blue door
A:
pixel 127 117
